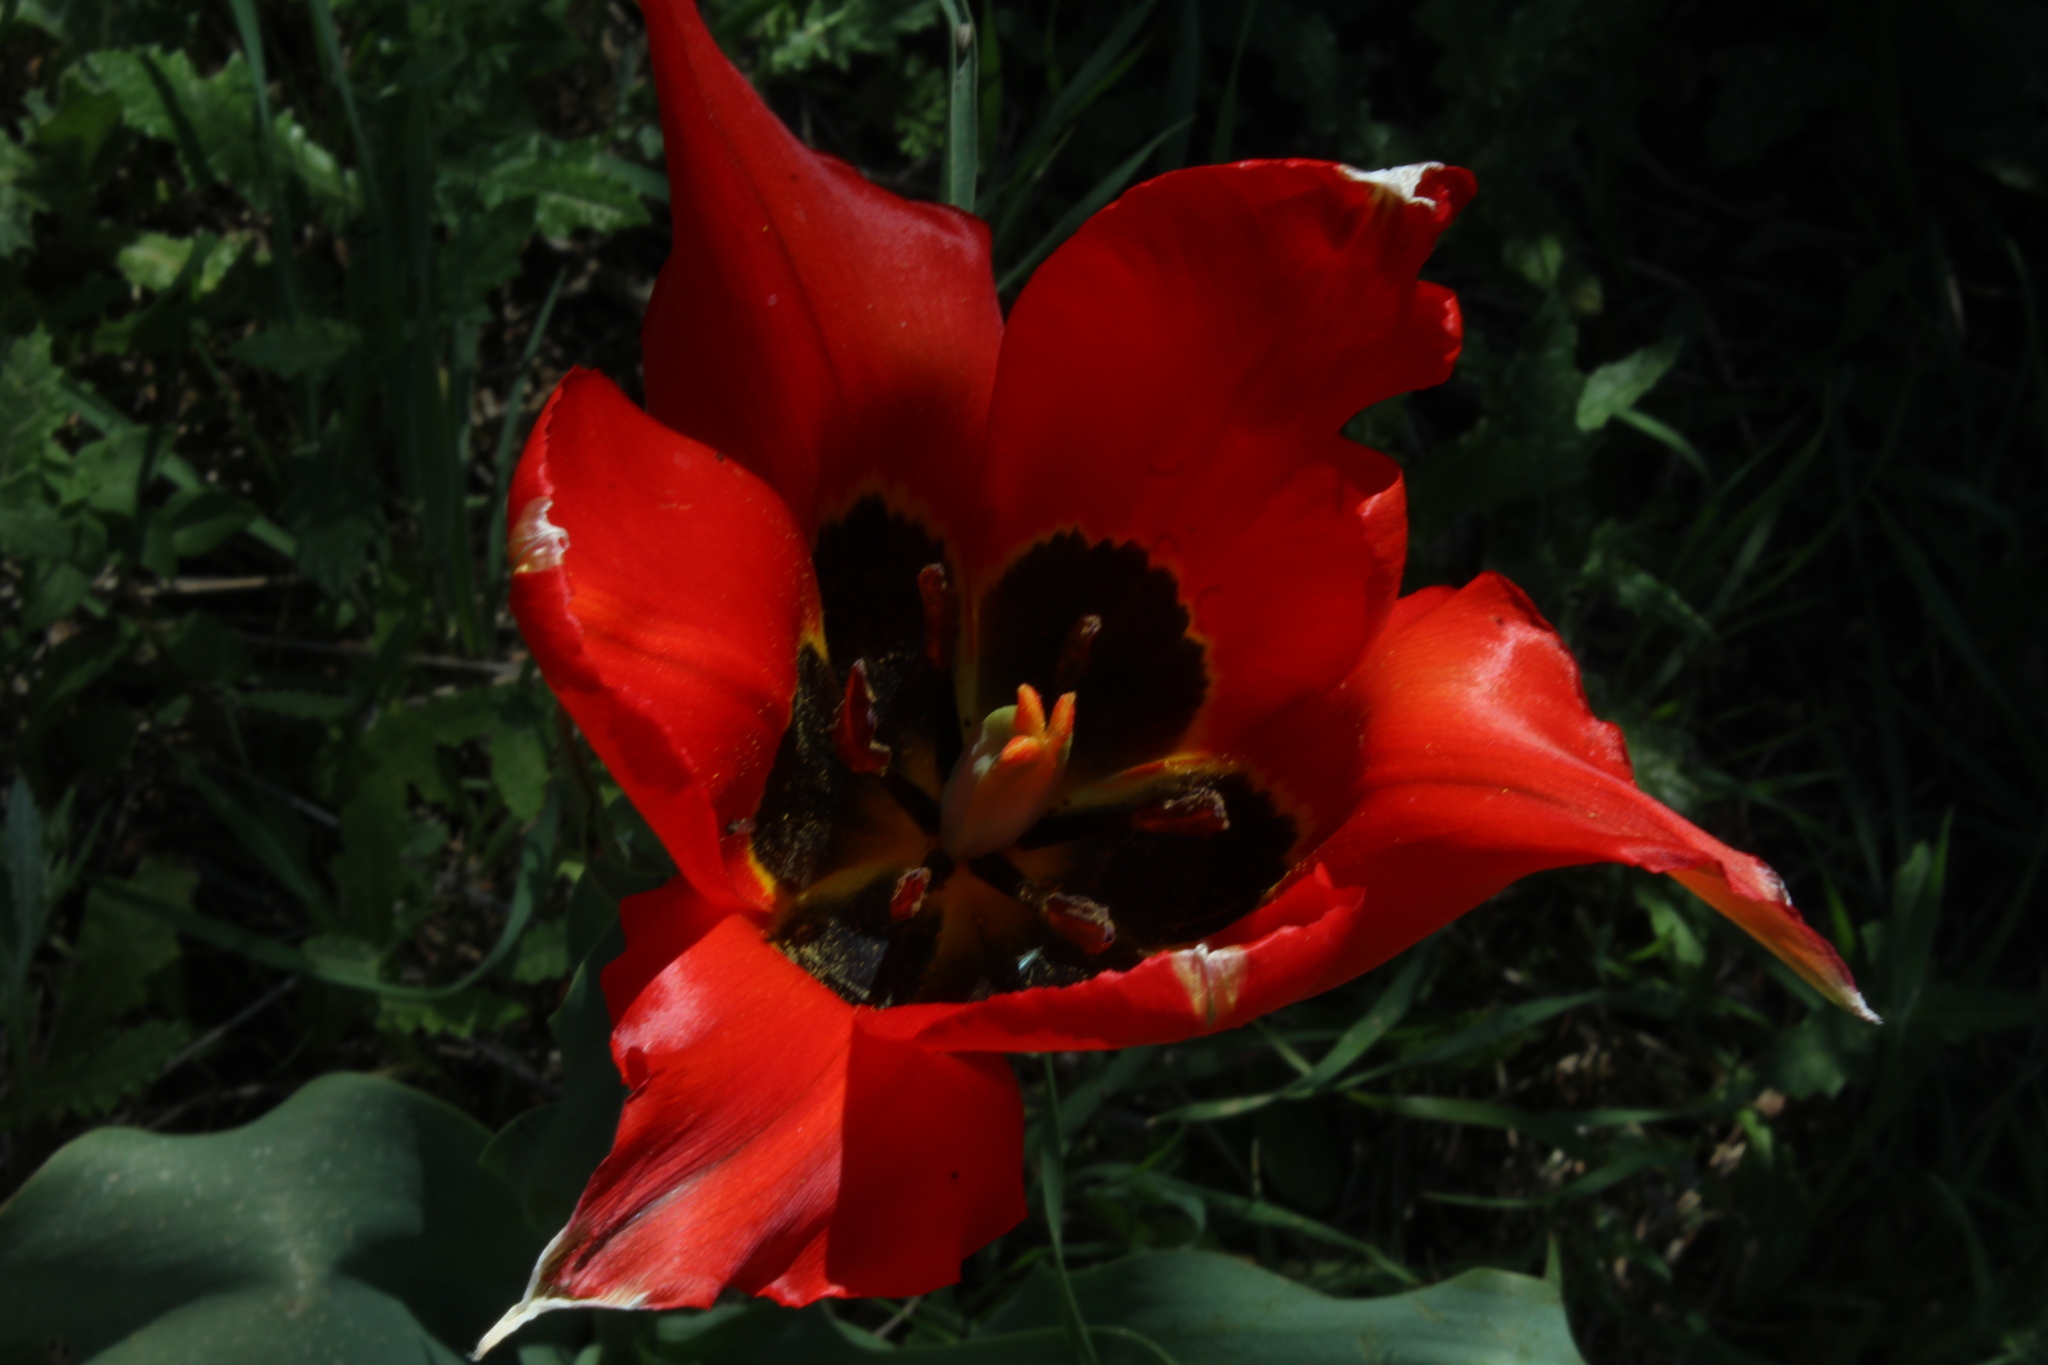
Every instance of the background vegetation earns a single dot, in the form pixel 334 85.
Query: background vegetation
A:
pixel 1755 404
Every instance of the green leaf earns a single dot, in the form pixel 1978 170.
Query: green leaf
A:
pixel 119 949
pixel 475 1010
pixel 212 121
pixel 519 768
pixel 299 705
pixel 550 1159
pixel 206 648
pixel 32 405
pixel 27 900
pixel 18 205
pixel 1616 387
pixel 1189 1308
pixel 350 1224
pixel 573 184
pixel 154 260
pixel 92 1082
pixel 289 350
pixel 1205 1309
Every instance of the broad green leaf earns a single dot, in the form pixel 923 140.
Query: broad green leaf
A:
pixel 351 1224
pixel 1205 1309
pixel 1616 387
pixel 1191 1308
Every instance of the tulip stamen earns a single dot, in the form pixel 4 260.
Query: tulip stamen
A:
pixel 908 897
pixel 1073 660
pixel 1080 922
pixel 854 735
pixel 941 615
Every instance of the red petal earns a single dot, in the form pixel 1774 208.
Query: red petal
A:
pixel 771 1144
pixel 809 323
pixel 660 926
pixel 663 591
pixel 1168 997
pixel 1480 763
pixel 1177 374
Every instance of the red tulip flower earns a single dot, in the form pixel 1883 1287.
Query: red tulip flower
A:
pixel 1013 687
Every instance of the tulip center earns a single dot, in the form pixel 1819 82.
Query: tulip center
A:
pixel 1008 777
pixel 983 796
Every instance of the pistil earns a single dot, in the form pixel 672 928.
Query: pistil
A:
pixel 1008 777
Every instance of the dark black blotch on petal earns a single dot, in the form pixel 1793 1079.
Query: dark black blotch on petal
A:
pixel 853 945
pixel 1144 677
pixel 1166 888
pixel 793 825
pixel 868 563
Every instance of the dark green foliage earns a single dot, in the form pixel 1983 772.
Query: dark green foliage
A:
pixel 1754 402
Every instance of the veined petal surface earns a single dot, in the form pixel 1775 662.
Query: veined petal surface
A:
pixel 1479 763
pixel 663 590
pixel 821 330
pixel 1176 375
pixel 771 1144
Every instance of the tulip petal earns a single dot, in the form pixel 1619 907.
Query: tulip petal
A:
pixel 1205 988
pixel 771 1144
pixel 1177 374
pixel 1480 763
pixel 808 323
pixel 663 591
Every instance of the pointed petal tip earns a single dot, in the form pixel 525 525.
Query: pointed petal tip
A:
pixel 521 1313
pixel 1764 911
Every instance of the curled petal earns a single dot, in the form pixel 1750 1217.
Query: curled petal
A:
pixel 1176 376
pixel 1479 763
pixel 770 1143
pixel 678 667
pixel 809 323
pixel 1203 988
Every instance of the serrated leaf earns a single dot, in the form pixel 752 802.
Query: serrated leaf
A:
pixel 32 404
pixel 573 185
pixel 18 206
pixel 92 1081
pixel 218 114
pixel 519 768
pixel 118 951
pixel 543 952
pixel 352 1224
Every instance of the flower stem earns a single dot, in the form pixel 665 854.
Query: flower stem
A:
pixel 1052 1183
